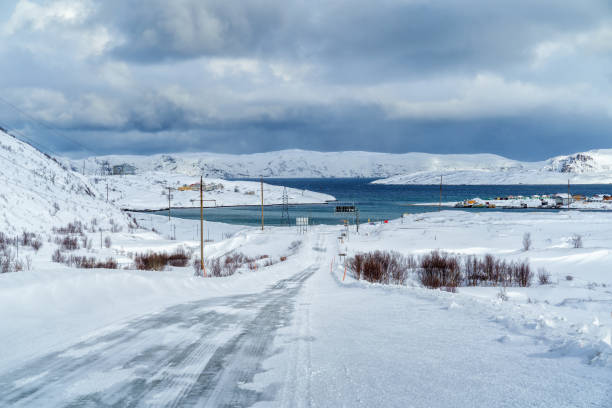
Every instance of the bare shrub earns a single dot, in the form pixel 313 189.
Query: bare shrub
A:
pixel 543 276
pixel 380 267
pixel 197 267
pixel 526 241
pixel 85 262
pixel 502 294
pixel 440 269
pixel 214 267
pixel 283 258
pixel 355 265
pixel 229 265
pixel 58 256
pixel 151 261
pixel 179 258
pixel 75 227
pixel 576 241
pixel 37 244
pixel 522 273
pixel 157 261
pixel 107 242
pixel 569 278
pixel 114 226
pixel 69 244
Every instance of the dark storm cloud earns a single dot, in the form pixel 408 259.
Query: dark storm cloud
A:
pixel 519 78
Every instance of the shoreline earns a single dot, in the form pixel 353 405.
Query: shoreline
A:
pixel 224 206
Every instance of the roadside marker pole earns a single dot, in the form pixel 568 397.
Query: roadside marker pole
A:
pixel 344 273
pixel 262 205
pixel 202 231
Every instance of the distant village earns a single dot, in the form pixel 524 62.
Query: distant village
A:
pixel 561 200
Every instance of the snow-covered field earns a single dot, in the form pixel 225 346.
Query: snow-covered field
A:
pixel 149 191
pixel 322 341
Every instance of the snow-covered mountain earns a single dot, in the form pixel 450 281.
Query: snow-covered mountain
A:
pixel 592 167
pixel 37 193
pixel 408 168
pixel 297 163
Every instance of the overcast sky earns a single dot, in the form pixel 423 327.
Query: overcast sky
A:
pixel 522 78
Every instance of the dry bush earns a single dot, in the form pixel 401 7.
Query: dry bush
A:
pixel 69 244
pixel 197 267
pixel 576 241
pixel 522 273
pixel 439 269
pixel 228 265
pixel 157 261
pixel 90 262
pixel 179 258
pixel 543 276
pixel 107 242
pixel 527 241
pixel 380 267
pixel 151 261
pixel 58 256
pixel 75 227
pixel 114 227
pixel 569 278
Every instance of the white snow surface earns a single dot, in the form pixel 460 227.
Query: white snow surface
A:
pixel 148 191
pixel 37 193
pixel 407 168
pixel 345 342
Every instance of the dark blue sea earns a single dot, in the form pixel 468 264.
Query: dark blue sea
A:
pixel 375 201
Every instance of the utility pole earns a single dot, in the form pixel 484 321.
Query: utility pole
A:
pixel 169 196
pixel 440 202
pixel 262 205
pixel 568 193
pixel 202 230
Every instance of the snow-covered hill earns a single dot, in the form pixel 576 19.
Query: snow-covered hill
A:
pixel 37 193
pixel 149 191
pixel 592 167
pixel 409 168
pixel 297 163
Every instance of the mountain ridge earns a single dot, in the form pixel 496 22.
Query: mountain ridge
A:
pixel 392 168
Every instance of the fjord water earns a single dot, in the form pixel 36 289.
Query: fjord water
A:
pixel 375 201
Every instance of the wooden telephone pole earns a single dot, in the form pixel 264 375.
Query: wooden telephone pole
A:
pixel 202 230
pixel 262 205
pixel 169 188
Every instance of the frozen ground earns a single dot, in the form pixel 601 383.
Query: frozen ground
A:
pixel 295 334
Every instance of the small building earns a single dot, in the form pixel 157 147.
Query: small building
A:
pixel 563 199
pixel 123 169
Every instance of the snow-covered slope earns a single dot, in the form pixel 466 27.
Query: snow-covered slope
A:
pixel 409 168
pixel 37 193
pixel 149 191
pixel 592 167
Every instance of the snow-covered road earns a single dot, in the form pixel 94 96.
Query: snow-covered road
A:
pixel 312 340
pixel 193 354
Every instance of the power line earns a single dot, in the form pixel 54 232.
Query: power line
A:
pixel 11 131
pixel 44 124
